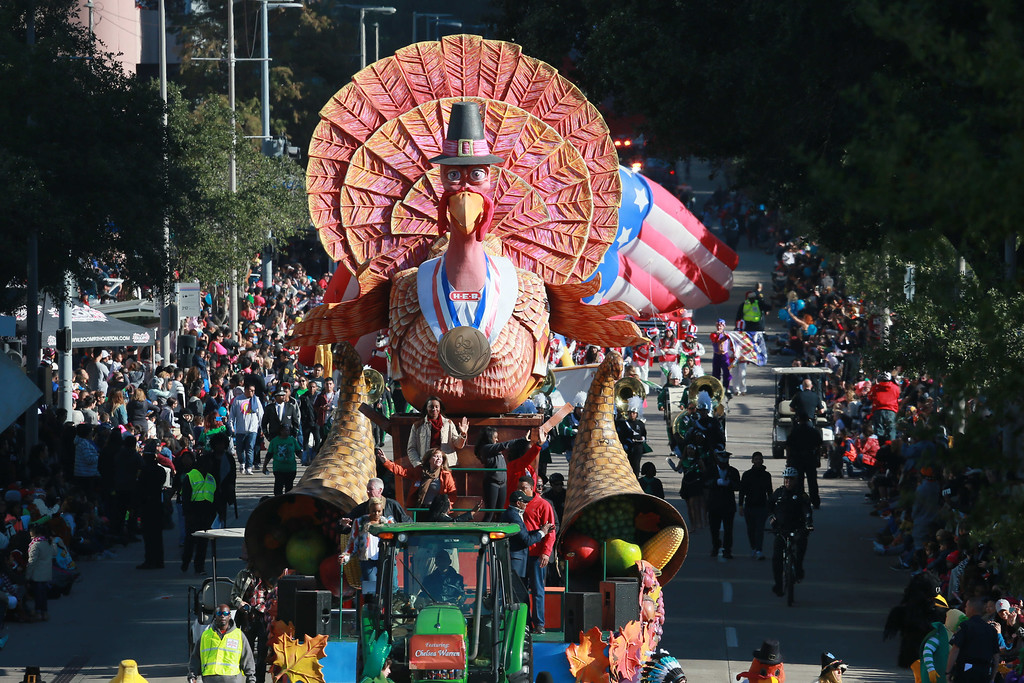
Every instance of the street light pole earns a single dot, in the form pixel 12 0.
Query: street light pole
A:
pixel 428 15
pixel 267 266
pixel 363 10
pixel 232 182
pixel 444 22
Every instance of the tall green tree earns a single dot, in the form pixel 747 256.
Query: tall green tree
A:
pixel 214 231
pixel 80 155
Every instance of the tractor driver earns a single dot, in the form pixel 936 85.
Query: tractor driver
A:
pixel 444 584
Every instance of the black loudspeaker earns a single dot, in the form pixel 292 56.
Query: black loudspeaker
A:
pixel 287 587
pixel 186 350
pixel 582 612
pixel 312 613
pixel 620 603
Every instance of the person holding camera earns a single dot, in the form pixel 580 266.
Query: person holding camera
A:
pixel 249 600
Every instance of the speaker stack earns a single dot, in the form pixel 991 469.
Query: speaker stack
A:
pixel 620 603
pixel 582 613
pixel 312 613
pixel 287 588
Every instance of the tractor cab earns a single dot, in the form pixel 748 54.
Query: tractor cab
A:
pixel 447 606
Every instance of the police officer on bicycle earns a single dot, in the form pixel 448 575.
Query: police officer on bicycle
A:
pixel 790 511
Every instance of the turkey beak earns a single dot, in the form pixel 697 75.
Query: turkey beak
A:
pixel 464 209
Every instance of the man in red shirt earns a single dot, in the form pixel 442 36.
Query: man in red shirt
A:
pixel 885 402
pixel 538 513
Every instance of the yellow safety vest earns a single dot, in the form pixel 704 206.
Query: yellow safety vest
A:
pixel 751 311
pixel 202 489
pixel 221 655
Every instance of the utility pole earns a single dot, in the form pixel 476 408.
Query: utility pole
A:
pixel 232 183
pixel 166 321
pixel 32 293
pixel 267 264
pixel 66 327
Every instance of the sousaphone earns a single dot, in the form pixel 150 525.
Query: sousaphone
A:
pixel 549 383
pixel 709 384
pixel 374 385
pixel 625 389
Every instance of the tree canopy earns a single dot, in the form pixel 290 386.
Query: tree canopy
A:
pixel 890 131
pixel 81 154
pixel 89 168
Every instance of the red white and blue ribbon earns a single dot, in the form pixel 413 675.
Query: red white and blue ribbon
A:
pixel 492 311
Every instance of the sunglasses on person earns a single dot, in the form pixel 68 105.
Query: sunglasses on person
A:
pixel 224 614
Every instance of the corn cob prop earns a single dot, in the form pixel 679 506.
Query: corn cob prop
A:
pixel 606 510
pixel 299 529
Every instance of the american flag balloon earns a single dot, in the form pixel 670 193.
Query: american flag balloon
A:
pixel 662 258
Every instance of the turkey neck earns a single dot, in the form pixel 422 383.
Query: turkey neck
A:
pixel 466 263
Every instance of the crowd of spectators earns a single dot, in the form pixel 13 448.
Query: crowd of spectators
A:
pixel 81 487
pixel 892 432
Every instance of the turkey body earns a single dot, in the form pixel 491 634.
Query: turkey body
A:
pixel 518 357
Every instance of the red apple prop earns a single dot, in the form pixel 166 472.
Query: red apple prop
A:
pixel 580 550
pixel 330 574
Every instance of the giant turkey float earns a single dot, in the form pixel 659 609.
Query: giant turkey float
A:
pixel 469 193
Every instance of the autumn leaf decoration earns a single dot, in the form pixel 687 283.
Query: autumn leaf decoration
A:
pixel 293 661
pixel 587 660
pixel 624 651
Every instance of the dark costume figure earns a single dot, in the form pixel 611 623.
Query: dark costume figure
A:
pixel 912 618
pixel 150 490
pixel 721 481
pixel 633 435
pixel 803 451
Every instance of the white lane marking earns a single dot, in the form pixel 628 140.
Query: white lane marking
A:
pixel 730 637
pixel 726 591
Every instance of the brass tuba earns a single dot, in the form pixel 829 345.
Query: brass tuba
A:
pixel 625 389
pixel 709 384
pixel 374 385
pixel 679 425
pixel 549 383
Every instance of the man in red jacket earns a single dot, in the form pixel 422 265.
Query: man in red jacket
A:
pixel 885 402
pixel 537 514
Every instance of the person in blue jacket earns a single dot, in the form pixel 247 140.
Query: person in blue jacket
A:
pixel 520 543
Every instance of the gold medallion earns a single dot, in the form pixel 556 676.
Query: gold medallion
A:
pixel 464 352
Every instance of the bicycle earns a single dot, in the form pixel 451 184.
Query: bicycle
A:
pixel 789 550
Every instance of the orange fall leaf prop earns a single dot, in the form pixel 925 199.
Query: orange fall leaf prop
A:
pixel 587 661
pixel 294 661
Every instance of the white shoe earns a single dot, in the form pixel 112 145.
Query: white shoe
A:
pixel 248 470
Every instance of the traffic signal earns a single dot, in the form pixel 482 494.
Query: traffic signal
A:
pixel 64 340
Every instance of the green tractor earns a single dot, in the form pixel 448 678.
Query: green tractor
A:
pixel 447 607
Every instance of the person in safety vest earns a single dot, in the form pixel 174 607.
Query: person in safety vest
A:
pixel 222 654
pixel 750 314
pixel 197 494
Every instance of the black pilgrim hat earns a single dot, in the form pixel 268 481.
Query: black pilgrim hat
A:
pixel 464 143
pixel 829 661
pixel 769 652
